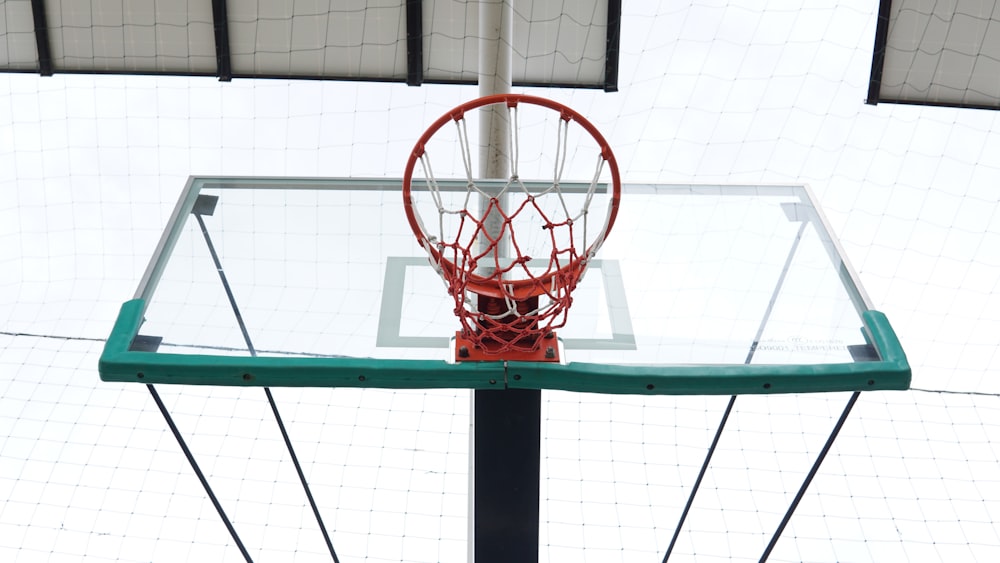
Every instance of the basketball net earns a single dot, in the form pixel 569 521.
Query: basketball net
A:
pixel 512 264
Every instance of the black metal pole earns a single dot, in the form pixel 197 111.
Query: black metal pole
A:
pixel 507 434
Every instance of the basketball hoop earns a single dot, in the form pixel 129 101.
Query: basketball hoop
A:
pixel 512 265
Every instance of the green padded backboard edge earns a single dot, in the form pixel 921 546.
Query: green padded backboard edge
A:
pixel 890 372
pixel 118 363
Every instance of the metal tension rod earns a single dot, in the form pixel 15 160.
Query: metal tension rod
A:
pixel 732 400
pixel 809 477
pixel 197 471
pixel 267 391
pixel 701 475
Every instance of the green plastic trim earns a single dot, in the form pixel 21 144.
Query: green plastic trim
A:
pixel 892 372
pixel 120 364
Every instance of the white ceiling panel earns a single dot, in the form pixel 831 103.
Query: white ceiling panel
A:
pixel 17 36
pixel 144 36
pixel 451 46
pixel 937 53
pixel 554 43
pixel 316 38
pixel 560 42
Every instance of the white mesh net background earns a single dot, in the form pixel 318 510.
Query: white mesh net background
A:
pixel 90 168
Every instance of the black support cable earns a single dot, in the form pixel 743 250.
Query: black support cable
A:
pixel 225 284
pixel 197 471
pixel 809 477
pixel 701 475
pixel 267 391
pixel 732 400
pixel 302 476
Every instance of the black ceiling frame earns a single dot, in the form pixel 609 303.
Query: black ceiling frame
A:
pixel 220 22
pixel 414 42
pixel 878 54
pixel 612 45
pixel 42 37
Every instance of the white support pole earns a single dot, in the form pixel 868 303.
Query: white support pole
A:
pixel 496 28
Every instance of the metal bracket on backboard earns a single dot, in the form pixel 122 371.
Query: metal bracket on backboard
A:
pixel 863 353
pixel 205 205
pixel 145 343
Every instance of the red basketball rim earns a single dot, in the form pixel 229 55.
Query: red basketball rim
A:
pixel 518 289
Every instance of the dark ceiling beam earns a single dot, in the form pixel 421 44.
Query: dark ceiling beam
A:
pixel 878 53
pixel 42 37
pixel 612 46
pixel 414 42
pixel 220 19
